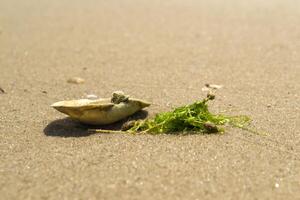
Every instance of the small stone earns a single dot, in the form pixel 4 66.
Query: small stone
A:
pixel 44 91
pixel 76 80
pixel 2 91
pixel 211 127
pixel 276 185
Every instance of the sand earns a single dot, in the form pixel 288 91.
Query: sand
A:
pixel 164 52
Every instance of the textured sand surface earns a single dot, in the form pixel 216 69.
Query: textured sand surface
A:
pixel 164 52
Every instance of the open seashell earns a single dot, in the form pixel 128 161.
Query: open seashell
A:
pixel 101 111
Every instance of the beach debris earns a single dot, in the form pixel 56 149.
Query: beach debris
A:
pixel 209 87
pixel 45 92
pixel 91 96
pixel 214 86
pixel 101 111
pixel 118 97
pixel 194 117
pixel 76 80
pixel 2 91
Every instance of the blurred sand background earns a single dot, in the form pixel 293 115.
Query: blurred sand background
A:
pixel 162 51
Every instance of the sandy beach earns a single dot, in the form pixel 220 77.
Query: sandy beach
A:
pixel 163 52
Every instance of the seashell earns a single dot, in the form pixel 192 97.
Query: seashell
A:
pixel 76 80
pixel 209 87
pixel 213 86
pixel 101 111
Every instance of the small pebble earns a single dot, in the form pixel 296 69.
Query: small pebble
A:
pixel 2 91
pixel 210 127
pixel 44 91
pixel 76 80
pixel 276 185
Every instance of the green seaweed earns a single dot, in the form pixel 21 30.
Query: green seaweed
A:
pixel 195 117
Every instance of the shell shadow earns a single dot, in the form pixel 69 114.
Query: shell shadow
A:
pixel 67 127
